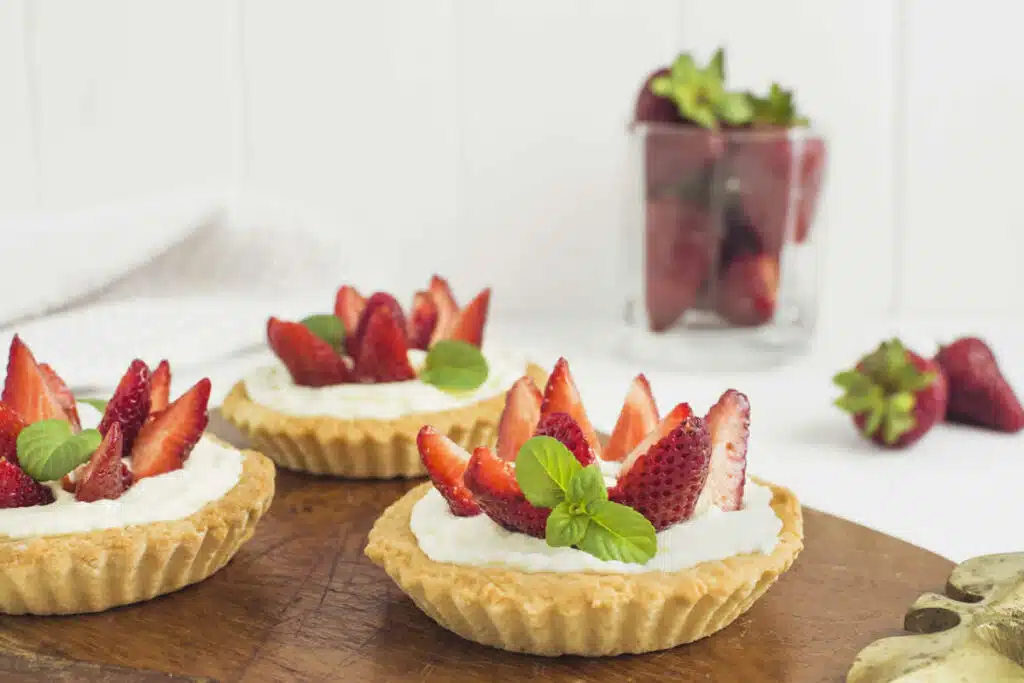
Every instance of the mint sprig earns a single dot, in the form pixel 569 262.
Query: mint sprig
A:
pixel 581 514
pixel 454 366
pixel 47 450
pixel 327 326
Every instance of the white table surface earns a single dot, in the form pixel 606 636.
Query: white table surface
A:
pixel 958 492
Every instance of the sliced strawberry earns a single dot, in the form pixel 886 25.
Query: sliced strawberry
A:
pixel 353 343
pixel 728 424
pixel 493 484
pixel 160 387
pixel 310 360
pixel 129 407
pixel 59 388
pixel 422 320
pixel 562 396
pixel 469 325
pixel 26 389
pixel 348 306
pixel 447 309
pixel 166 441
pixel 639 417
pixel 561 426
pixel 665 483
pixel 519 417
pixel 105 476
pixel 383 351
pixel 748 290
pixel 11 425
pixel 679 247
pixel 446 462
pixel 67 483
pixel 18 490
pixel 667 424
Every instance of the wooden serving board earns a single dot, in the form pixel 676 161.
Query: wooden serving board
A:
pixel 300 602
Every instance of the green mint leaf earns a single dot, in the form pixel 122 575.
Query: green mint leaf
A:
pixel 327 326
pixel 587 485
pixel 662 86
pixel 97 403
pixel 454 366
pixel 544 469
pixel 684 68
pixel 618 532
pixel 47 450
pixel 736 108
pixel 565 526
pixel 717 64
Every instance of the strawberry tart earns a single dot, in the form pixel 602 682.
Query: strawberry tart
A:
pixel 554 543
pixel 138 505
pixel 352 388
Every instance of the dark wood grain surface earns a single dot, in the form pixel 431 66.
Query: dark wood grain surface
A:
pixel 300 602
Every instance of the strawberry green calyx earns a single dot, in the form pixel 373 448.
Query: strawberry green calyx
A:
pixel 778 108
pixel 882 390
pixel 700 94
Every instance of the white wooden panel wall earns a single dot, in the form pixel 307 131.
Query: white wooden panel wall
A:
pixel 18 168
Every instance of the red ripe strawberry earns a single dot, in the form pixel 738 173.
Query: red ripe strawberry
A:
pixel 383 352
pixel 562 396
pixel 18 490
pixel 166 441
pixel 978 392
pixel 519 417
pixel 679 247
pixel 446 462
pixel 129 407
pixel 353 343
pixel 812 172
pixel 160 387
pixel 59 388
pixel 894 395
pixel 561 426
pixel 26 389
pixel 310 360
pixel 447 308
pixel 665 483
pixel 748 290
pixel 493 484
pixel 638 418
pixel 728 424
pixel 469 325
pixel 651 108
pixel 11 425
pixel 667 425
pixel 348 306
pixel 105 476
pixel 422 320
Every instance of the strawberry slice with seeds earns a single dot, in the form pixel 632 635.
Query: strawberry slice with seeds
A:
pixel 469 325
pixel 383 351
pixel 446 462
pixel 665 483
pixel 26 389
pixel 59 388
pixel 667 424
pixel 166 441
pixel 310 360
pixel 11 425
pixel 728 424
pixel 493 484
pixel 129 406
pixel 160 387
pixel 447 308
pixel 638 418
pixel 354 342
pixel 105 476
pixel 519 418
pixel 562 396
pixel 18 490
pixel 422 320
pixel 348 306
pixel 561 426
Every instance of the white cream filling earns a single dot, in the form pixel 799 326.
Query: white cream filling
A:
pixel 273 387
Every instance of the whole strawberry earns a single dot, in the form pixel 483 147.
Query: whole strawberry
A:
pixel 978 392
pixel 894 395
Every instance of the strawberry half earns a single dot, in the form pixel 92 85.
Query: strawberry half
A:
pixel 638 418
pixel 383 352
pixel 422 320
pixel 18 490
pixel 129 407
pixel 160 387
pixel 446 462
pixel 668 423
pixel 26 389
pixel 310 360
pixel 562 396
pixel 665 483
pixel 748 290
pixel 519 417
pixel 447 309
pixel 105 476
pixel 728 424
pixel 11 425
pixel 470 323
pixel 348 306
pixel 166 441
pixel 354 342
pixel 561 426
pixel 978 393
pixel 492 481
pixel 59 388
